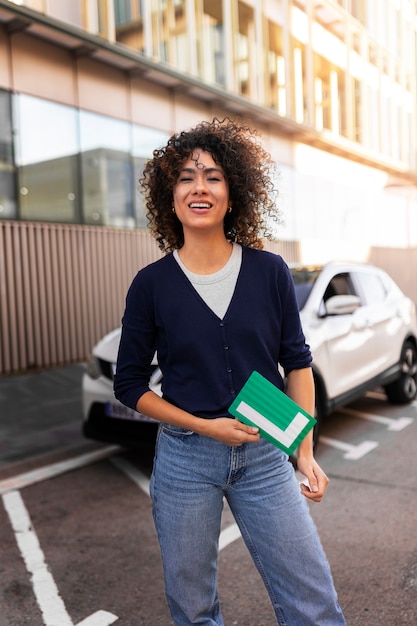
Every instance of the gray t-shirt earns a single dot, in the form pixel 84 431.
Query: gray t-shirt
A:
pixel 216 289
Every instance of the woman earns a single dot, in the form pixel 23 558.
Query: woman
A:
pixel 215 308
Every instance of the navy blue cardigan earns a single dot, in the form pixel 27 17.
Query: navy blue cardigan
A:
pixel 206 360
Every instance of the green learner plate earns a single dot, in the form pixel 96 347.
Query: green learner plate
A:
pixel 279 419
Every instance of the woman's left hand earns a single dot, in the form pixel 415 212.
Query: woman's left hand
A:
pixel 317 479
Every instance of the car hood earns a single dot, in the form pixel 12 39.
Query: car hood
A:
pixel 108 347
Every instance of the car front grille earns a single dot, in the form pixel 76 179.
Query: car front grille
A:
pixel 106 368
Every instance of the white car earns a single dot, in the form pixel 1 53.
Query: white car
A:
pixel 361 328
pixel 105 418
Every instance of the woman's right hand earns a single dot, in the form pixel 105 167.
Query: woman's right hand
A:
pixel 225 429
pixel 228 431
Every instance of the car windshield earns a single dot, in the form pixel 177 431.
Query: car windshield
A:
pixel 304 278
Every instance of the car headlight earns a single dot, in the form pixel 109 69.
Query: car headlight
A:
pixel 93 368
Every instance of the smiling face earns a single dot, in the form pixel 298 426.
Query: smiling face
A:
pixel 201 193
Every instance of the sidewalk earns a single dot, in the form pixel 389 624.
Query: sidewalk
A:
pixel 40 414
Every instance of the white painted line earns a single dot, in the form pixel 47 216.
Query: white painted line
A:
pixel 393 424
pixel 380 395
pixel 46 592
pixel 227 536
pixel 49 471
pixel 353 453
pixel 132 472
pixel 377 395
pixel 99 618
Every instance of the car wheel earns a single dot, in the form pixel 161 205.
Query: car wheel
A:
pixel 404 389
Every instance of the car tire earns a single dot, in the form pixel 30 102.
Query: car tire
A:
pixel 404 389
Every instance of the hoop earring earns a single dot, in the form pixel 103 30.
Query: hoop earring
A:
pixel 229 209
pixel 173 209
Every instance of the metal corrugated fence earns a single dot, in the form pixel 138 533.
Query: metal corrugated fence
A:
pixel 62 287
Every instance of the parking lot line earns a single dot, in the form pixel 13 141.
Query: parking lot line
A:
pixel 55 469
pixel 44 587
pixel 395 424
pixel 377 395
pixel 227 536
pixel 132 472
pixel 353 453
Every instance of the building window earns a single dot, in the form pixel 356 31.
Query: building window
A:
pixel 329 96
pixel 72 166
pixel 129 16
pixel 145 141
pixel 96 17
pixel 299 95
pixel 245 51
pixel 46 158
pixel 123 11
pixel 106 171
pixel 210 43
pixel 357 88
pixel 7 170
pixel 275 87
pixel 169 33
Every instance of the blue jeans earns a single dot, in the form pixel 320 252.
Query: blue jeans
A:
pixel 191 476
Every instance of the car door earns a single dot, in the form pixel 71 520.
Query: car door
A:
pixel 383 318
pixel 342 343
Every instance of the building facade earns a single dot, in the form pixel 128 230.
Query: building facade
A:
pixel 88 88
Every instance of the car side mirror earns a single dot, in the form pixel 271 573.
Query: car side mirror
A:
pixel 342 305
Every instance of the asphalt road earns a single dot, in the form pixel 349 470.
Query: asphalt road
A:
pixel 40 414
pixel 99 554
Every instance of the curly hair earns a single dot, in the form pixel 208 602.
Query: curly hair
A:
pixel 247 167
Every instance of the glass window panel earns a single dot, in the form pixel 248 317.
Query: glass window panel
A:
pixel 8 204
pixel 329 96
pixel 95 17
pixel 99 131
pixel 145 141
pixel 275 75
pixel 373 118
pixel 122 11
pixel 373 288
pixel 6 154
pixel 7 170
pixel 169 33
pixel 244 49
pixel 92 16
pixel 299 81
pixel 210 42
pixel 46 156
pixel 386 124
pixel 106 170
pixel 178 36
pixel 129 23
